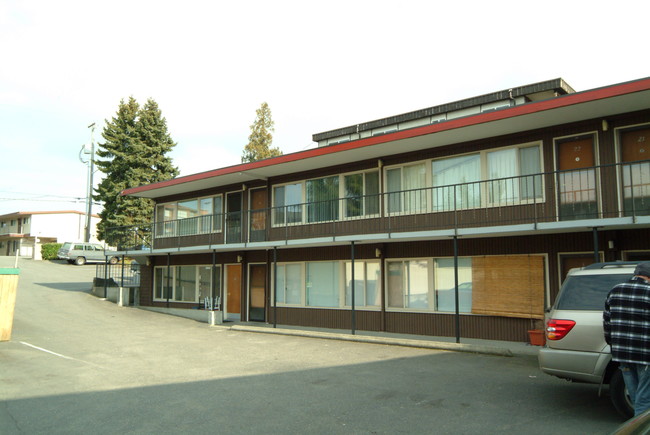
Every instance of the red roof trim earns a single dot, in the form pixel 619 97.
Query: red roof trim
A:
pixel 540 106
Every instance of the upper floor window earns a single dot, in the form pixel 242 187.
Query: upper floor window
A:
pixel 361 192
pixel 287 202
pixel 513 170
pixel 318 200
pixel 189 217
pixel 322 199
pixel 405 186
pixel 455 182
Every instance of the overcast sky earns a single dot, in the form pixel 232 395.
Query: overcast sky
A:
pixel 320 65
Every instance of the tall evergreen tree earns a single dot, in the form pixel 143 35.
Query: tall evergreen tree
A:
pixel 260 139
pixel 133 154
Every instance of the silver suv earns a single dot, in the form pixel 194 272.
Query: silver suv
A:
pixel 80 253
pixel 575 347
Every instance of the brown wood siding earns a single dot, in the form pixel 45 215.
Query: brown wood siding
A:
pixel 321 318
pixel 443 325
pixel 429 324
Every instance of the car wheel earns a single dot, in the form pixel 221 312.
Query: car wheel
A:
pixel 113 260
pixel 619 396
pixel 80 261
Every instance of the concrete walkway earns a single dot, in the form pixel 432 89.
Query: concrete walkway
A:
pixel 487 347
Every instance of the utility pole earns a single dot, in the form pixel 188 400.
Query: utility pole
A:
pixel 91 170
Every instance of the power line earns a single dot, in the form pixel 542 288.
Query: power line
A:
pixel 39 195
pixel 48 200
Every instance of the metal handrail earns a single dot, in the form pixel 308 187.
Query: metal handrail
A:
pixel 576 194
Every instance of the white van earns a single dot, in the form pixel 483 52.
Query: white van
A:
pixel 80 253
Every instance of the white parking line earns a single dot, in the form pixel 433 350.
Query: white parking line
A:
pixel 62 356
pixel 45 350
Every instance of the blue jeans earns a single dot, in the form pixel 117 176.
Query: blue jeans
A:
pixel 637 381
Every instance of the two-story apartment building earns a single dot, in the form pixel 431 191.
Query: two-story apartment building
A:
pixel 456 220
pixel 23 232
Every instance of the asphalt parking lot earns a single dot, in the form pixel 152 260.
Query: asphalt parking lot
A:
pixel 78 364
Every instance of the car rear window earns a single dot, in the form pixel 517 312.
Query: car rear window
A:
pixel 588 292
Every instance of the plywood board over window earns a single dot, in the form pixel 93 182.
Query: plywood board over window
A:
pixel 510 286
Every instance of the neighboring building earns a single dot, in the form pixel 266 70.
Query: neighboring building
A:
pixel 25 232
pixel 487 201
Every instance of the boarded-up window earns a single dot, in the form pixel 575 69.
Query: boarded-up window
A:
pixel 508 286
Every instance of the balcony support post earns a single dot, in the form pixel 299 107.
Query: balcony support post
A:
pixel 456 298
pixel 275 286
pixel 213 286
pixel 167 287
pixel 352 289
pixel 122 273
pixel 106 277
pixel 596 254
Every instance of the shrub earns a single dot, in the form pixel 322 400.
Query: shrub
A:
pixel 49 250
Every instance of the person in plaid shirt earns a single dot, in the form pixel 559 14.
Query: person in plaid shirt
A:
pixel 626 322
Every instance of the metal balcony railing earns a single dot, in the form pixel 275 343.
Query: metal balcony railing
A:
pixel 589 193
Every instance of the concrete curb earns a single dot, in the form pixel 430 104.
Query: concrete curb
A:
pixel 456 347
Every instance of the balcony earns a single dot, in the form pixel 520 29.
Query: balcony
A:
pixel 585 197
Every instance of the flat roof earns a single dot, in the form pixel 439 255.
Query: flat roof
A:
pixel 600 102
pixel 559 86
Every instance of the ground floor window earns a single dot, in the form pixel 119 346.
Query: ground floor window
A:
pixel 509 286
pixel 289 284
pixel 408 284
pixel 445 284
pixel 366 284
pixel 328 284
pixel 323 284
pixel 186 283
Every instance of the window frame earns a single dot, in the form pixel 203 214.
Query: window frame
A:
pixel 173 278
pixel 343 200
pixel 424 190
pixel 344 277
pixel 302 285
pixel 172 227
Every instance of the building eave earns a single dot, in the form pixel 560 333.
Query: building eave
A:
pixel 573 107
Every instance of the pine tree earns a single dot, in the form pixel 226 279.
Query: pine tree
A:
pixel 133 154
pixel 260 139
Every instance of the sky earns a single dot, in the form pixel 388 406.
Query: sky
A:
pixel 209 65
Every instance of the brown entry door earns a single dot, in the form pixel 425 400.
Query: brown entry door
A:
pixel 577 179
pixel 258 215
pixel 233 291
pixel 257 293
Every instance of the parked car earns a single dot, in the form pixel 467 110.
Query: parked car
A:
pixel 81 253
pixel 575 347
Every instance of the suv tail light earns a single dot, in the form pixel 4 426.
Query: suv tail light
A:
pixel 557 329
